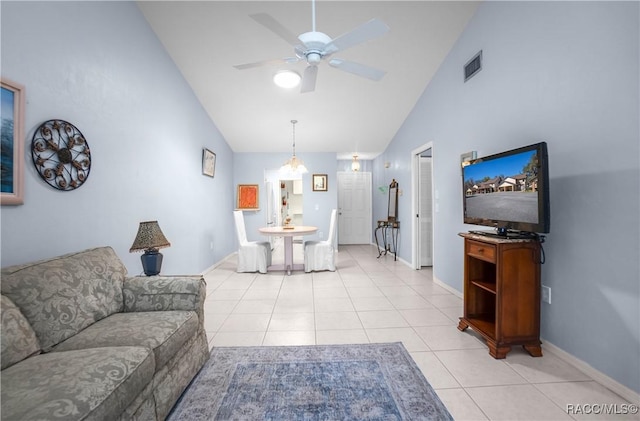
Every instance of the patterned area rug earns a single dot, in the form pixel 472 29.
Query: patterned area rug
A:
pixel 332 382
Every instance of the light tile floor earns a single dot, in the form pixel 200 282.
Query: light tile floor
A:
pixel 371 300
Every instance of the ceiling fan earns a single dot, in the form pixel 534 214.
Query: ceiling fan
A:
pixel 314 47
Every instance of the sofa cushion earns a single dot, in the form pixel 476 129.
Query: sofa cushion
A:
pixel 16 335
pixel 63 295
pixel 163 332
pixel 76 385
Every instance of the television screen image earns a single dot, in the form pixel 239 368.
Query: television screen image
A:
pixel 508 190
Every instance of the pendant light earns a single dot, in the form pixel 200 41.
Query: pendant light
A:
pixel 355 164
pixel 294 167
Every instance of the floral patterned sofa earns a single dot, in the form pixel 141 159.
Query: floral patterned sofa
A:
pixel 82 341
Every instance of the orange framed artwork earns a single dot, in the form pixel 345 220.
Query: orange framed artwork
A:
pixel 247 196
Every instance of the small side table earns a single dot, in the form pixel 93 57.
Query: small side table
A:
pixel 388 246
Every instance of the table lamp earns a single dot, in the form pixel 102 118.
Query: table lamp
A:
pixel 150 238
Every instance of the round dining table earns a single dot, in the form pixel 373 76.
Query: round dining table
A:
pixel 288 232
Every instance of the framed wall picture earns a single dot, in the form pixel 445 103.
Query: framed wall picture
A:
pixel 248 195
pixel 208 162
pixel 12 164
pixel 319 182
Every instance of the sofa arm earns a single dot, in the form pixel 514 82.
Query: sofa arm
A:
pixel 163 293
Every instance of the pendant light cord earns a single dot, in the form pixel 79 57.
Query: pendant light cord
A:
pixel 293 123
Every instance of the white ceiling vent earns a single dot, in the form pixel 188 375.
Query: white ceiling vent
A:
pixel 473 66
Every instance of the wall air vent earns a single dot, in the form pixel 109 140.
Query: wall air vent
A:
pixel 473 66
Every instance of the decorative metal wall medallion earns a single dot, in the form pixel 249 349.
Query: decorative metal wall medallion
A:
pixel 61 155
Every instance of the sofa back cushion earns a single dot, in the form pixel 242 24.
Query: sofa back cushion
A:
pixel 17 339
pixel 65 294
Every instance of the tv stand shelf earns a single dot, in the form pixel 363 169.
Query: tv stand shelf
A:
pixel 484 322
pixel 502 292
pixel 487 286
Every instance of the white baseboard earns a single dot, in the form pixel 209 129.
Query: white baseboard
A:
pixel 218 263
pixel 381 250
pixel 448 287
pixel 611 384
pixel 400 259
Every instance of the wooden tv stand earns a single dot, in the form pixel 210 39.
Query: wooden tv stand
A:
pixel 502 292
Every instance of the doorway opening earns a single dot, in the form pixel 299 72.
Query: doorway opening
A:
pixel 284 202
pixel 422 204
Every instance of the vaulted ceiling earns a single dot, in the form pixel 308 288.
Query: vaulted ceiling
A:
pixel 346 114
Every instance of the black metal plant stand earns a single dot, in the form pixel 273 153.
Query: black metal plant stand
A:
pixel 388 246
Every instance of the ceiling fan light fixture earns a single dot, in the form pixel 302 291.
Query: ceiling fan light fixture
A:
pixel 287 79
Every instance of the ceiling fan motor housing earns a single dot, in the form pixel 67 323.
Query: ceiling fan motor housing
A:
pixel 314 46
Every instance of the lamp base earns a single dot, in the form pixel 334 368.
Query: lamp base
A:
pixel 151 262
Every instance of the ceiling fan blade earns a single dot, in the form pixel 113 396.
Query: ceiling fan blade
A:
pixel 357 69
pixel 365 32
pixel 287 60
pixel 309 79
pixel 276 27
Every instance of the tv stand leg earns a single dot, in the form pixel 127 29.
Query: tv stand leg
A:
pixel 533 350
pixel 498 352
pixel 462 325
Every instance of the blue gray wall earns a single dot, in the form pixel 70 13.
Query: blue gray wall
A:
pixel 566 73
pixel 99 66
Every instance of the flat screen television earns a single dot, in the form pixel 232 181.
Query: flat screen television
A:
pixel 509 191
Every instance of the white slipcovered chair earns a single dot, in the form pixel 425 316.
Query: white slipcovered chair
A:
pixel 253 256
pixel 320 255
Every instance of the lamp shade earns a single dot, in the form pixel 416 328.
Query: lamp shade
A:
pixel 149 237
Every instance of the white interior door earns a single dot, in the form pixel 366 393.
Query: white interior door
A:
pixel 426 213
pixel 354 208
pixel 424 206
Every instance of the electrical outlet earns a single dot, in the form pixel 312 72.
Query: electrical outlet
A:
pixel 320 234
pixel 546 294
